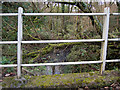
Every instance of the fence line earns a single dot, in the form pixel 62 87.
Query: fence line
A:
pixel 60 63
pixel 59 41
pixel 58 14
pixel 104 40
pixel 8 14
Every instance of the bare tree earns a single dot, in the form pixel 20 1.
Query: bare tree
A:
pixel 84 7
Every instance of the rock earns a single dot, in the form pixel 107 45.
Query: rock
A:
pixel 86 88
pixel 106 88
pixel 117 88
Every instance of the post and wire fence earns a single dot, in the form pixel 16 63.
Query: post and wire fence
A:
pixel 19 42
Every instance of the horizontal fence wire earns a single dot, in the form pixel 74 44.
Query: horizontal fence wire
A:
pixel 64 14
pixel 58 14
pixel 64 41
pixel 115 14
pixel 59 41
pixel 60 63
pixel 8 42
pixel 9 65
pixel 116 60
pixel 8 14
pixel 114 39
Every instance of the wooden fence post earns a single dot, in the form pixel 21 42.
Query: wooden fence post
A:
pixel 105 37
pixel 19 49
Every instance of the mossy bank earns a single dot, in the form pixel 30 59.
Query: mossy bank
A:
pixel 72 80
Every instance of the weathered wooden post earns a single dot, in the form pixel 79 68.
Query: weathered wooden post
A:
pixel 19 49
pixel 105 37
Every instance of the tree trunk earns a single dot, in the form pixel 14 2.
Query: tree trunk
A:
pixel 86 9
pixel 118 4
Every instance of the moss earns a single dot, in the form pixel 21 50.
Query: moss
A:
pixel 91 73
pixel 27 77
pixel 64 44
pixel 47 49
pixel 90 79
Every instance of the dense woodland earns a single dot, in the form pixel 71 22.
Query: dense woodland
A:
pixel 59 28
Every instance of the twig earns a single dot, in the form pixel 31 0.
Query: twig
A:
pixel 28 71
pixel 9 25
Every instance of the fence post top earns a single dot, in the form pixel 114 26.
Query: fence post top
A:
pixel 20 9
pixel 107 9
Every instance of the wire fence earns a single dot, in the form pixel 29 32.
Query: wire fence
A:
pixel 19 42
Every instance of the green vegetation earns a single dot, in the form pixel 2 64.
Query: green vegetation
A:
pixel 71 80
pixel 60 28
